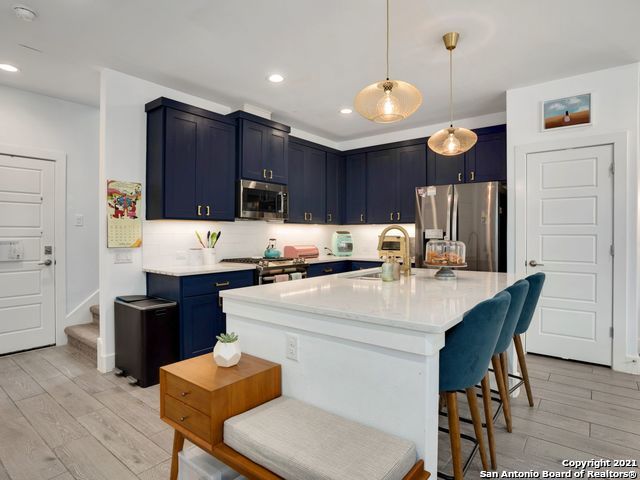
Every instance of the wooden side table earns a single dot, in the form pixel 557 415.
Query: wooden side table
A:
pixel 197 396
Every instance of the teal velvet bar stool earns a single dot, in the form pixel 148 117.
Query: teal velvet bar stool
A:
pixel 536 282
pixel 464 362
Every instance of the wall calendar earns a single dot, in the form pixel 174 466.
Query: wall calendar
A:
pixel 124 227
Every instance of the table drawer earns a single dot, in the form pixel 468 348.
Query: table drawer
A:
pixel 188 393
pixel 196 422
pixel 205 284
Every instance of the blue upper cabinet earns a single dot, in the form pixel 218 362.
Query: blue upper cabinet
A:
pixel 307 183
pixel 485 162
pixel 392 176
pixel 263 148
pixel 335 188
pixel 382 186
pixel 412 173
pixel 191 159
pixel 355 189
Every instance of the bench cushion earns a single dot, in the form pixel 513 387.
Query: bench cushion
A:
pixel 298 441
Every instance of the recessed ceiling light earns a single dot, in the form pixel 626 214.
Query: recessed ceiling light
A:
pixel 25 13
pixel 346 111
pixel 276 78
pixel 9 68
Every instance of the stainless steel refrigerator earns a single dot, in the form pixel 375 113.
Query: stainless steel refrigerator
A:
pixel 474 213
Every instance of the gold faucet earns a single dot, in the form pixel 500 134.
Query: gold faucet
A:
pixel 404 248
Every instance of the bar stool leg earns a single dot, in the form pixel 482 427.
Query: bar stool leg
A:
pixel 488 418
pixel 472 398
pixel 502 389
pixel 517 341
pixel 454 434
pixel 505 369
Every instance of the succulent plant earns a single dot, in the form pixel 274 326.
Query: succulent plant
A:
pixel 228 337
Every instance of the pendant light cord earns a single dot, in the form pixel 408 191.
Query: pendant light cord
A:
pixel 451 88
pixel 387 39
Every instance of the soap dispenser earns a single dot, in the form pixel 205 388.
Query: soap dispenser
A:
pixel 387 270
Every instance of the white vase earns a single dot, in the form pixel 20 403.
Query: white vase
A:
pixel 227 354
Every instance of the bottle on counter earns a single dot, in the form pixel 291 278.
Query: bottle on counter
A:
pixel 396 269
pixel 387 270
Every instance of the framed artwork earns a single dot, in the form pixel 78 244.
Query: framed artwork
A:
pixel 566 112
pixel 124 227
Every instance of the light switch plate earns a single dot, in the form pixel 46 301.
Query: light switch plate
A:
pixel 79 220
pixel 123 256
pixel 291 346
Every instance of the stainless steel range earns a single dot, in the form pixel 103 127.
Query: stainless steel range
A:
pixel 267 269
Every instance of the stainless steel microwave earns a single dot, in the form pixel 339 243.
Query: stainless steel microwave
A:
pixel 262 201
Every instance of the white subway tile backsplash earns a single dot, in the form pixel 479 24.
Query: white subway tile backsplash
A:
pixel 167 242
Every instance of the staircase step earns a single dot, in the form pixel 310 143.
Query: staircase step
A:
pixel 84 338
pixel 95 313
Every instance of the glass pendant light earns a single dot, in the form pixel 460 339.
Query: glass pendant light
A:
pixel 388 100
pixel 452 140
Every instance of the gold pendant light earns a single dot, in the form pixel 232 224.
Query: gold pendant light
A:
pixel 388 101
pixel 452 140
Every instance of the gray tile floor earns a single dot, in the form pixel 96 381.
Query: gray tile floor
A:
pixel 61 419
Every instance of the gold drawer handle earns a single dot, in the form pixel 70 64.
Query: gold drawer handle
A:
pixel 184 394
pixel 182 419
pixel 208 210
pixel 328 270
pixel 223 284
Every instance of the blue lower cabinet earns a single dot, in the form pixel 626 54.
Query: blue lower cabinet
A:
pixel 198 296
pixel 329 268
pixel 356 265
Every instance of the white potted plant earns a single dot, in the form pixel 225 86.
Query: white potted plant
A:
pixel 227 351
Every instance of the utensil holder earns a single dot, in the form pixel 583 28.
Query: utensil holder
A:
pixel 209 256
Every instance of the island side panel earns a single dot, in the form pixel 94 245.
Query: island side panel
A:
pixel 394 391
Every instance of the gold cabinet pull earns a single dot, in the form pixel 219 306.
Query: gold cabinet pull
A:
pixel 328 270
pixel 208 211
pixel 223 284
pixel 220 302
pixel 270 174
pixel 184 394
pixel 182 419
pixel 264 173
pixel 362 217
pixel 310 216
pixel 473 175
pixel 398 216
pixel 459 176
pixel 199 210
pixel 329 217
pixel 391 216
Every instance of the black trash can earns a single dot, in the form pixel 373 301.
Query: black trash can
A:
pixel 146 337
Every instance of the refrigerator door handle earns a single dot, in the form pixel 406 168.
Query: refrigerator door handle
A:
pixel 454 215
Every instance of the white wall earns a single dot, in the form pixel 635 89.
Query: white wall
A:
pixel 615 108
pixel 37 121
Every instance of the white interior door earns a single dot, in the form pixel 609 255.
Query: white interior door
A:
pixel 569 237
pixel 27 267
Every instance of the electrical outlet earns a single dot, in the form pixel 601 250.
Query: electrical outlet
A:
pixel 291 346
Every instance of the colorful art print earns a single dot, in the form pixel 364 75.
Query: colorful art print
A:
pixel 567 112
pixel 124 228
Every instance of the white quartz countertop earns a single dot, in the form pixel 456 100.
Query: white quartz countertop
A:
pixel 419 302
pixel 183 270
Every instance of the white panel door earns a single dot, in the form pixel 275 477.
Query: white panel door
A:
pixel 569 238
pixel 27 267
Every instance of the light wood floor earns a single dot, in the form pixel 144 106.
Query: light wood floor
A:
pixel 61 419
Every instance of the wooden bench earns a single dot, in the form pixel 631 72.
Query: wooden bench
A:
pixel 197 398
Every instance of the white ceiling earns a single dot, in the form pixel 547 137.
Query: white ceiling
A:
pixel 327 50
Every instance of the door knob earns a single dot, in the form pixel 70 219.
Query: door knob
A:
pixel 46 263
pixel 533 263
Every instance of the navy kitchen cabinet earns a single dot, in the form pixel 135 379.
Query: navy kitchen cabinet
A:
pixel 382 186
pixel 358 265
pixel 355 189
pixel 307 183
pixel 392 176
pixel 199 303
pixel 262 148
pixel 487 160
pixel 444 170
pixel 335 188
pixel 328 268
pixel 190 163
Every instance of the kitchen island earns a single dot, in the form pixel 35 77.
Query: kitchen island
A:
pixel 359 347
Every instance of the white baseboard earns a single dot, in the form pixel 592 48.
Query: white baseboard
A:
pixel 106 362
pixel 80 314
